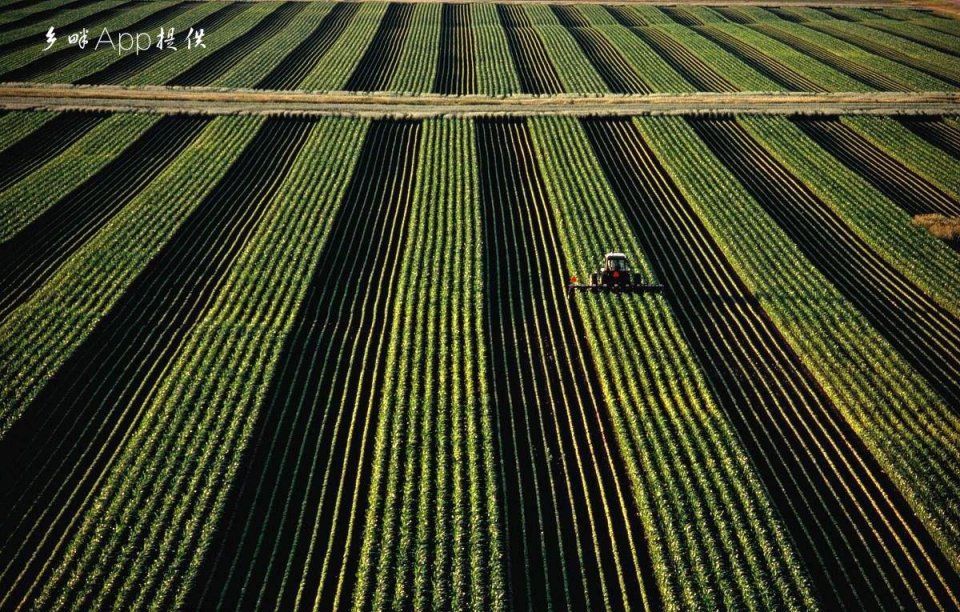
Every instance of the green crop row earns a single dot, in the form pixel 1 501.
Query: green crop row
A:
pixel 39 31
pixel 818 72
pixel 704 510
pixel 14 125
pixel 434 509
pixel 901 419
pixel 156 509
pixel 39 335
pixel 730 67
pixel 114 24
pixel 184 59
pixel 94 61
pixel 252 69
pixel 337 64
pixel 496 70
pixel 29 197
pixel 918 55
pixel 418 58
pixel 913 31
pixel 930 162
pixel 910 78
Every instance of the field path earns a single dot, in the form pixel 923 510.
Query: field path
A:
pixel 213 101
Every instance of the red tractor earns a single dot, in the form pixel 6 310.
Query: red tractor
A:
pixel 614 276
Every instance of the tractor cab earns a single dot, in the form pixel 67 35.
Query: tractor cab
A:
pixel 616 262
pixel 615 270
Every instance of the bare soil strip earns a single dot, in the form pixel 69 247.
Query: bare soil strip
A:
pixel 570 540
pixel 67 438
pixel 859 538
pixel 456 65
pixel 292 530
pixel 22 96
pixel 936 132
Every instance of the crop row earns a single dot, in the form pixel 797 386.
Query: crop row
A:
pixel 536 49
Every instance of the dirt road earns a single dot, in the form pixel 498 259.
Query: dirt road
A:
pixel 213 101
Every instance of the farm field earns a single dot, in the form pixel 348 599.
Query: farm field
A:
pixel 425 419
pixel 285 319
pixel 495 49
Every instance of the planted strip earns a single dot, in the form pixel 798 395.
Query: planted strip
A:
pixel 927 61
pixel 918 34
pixel 293 534
pixel 419 55
pixel 40 16
pixel 456 68
pixel 375 70
pixel 56 61
pixel 855 532
pixel 125 67
pixel 571 528
pixel 98 393
pixel 626 17
pixel 15 125
pixel 923 331
pixel 34 253
pixel 223 59
pixel 937 132
pixel 433 536
pixel 759 61
pixel 865 68
pixel 610 64
pixel 43 144
pixel 290 72
pixel 681 59
pixel 31 38
pixel 908 190
pixel 173 453
pixel 537 73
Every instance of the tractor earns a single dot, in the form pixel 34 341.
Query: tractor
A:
pixel 614 276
